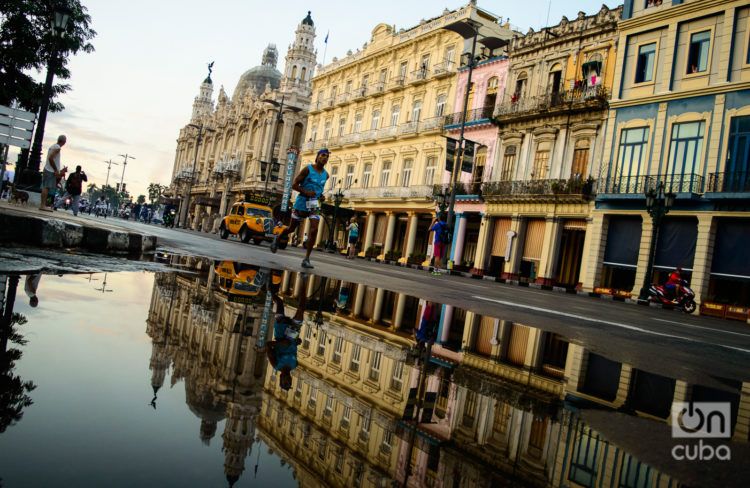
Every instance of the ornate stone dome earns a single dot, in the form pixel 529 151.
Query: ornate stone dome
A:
pixel 258 77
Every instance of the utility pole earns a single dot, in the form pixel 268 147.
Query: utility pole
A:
pixel 109 166
pixel 124 163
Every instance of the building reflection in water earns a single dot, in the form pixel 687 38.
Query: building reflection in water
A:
pixel 503 403
pixel 209 336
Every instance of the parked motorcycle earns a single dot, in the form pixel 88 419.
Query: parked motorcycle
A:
pixel 685 300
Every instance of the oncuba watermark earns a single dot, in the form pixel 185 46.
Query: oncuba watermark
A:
pixel 695 421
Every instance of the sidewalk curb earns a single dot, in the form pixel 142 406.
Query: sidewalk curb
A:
pixel 24 227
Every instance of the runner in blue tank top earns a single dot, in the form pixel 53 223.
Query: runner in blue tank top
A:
pixel 310 183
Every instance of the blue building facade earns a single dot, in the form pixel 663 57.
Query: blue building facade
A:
pixel 679 117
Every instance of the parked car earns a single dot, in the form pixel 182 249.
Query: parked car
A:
pixel 251 221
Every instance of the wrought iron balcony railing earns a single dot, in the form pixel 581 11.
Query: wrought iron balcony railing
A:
pixel 572 186
pixel 632 185
pixel 474 188
pixel 445 68
pixel 729 182
pixel 591 96
pixel 484 113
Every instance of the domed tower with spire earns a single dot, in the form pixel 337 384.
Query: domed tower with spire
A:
pixel 300 59
pixel 203 103
pixel 256 79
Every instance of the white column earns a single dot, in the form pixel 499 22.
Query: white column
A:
pixel 378 309
pixel 399 316
pixel 412 237
pixel 458 248
pixel 389 232
pixel 369 233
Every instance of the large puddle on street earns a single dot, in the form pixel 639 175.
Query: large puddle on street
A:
pixel 211 373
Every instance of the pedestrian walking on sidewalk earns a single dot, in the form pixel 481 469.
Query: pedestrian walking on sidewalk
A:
pixel 442 237
pixel 74 188
pixel 310 183
pixel 51 172
pixel 353 229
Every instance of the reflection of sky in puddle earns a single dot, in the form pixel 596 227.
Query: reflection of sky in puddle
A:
pixel 90 424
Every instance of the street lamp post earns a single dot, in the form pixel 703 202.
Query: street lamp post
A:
pixel 30 176
pixel 338 197
pixel 186 201
pixel 279 119
pixel 658 204
pixel 442 199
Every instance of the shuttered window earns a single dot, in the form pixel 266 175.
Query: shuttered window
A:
pixel 730 249
pixel 623 242
pixel 675 245
pixel 500 237
pixel 369 302
pixel 484 336
pixel 517 344
pixel 532 246
pixel 380 228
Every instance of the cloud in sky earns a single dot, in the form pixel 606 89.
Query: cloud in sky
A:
pixel 135 92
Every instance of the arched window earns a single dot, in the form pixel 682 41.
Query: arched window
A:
pixel 294 72
pixel 303 73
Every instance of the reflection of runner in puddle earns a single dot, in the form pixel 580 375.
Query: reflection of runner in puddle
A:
pixel 30 287
pixel 282 350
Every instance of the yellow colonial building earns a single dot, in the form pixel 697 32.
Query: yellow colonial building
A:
pixel 380 110
pixel 552 121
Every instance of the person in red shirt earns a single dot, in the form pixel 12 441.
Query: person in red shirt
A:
pixel 674 282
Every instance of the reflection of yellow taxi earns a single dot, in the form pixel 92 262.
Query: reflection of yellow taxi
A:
pixel 243 280
pixel 251 221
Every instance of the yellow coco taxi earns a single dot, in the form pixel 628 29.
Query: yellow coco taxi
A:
pixel 251 221
pixel 243 282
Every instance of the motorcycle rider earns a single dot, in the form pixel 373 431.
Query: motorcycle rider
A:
pixel 674 283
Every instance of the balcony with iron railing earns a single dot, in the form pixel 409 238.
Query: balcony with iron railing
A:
pixel 613 186
pixel 416 191
pixel 368 136
pixel 569 189
pixel 314 145
pixel 389 132
pixel 360 93
pixel 378 88
pixel 351 139
pixel 419 76
pixel 328 103
pixel 446 68
pixel 431 124
pixel 729 182
pixel 407 129
pixel 342 98
pixel 397 83
pixel 574 100
pixel 473 188
pixel 476 116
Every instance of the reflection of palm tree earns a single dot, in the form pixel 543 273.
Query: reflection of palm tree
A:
pixel 13 390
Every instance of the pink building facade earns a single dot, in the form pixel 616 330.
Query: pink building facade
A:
pixel 487 88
